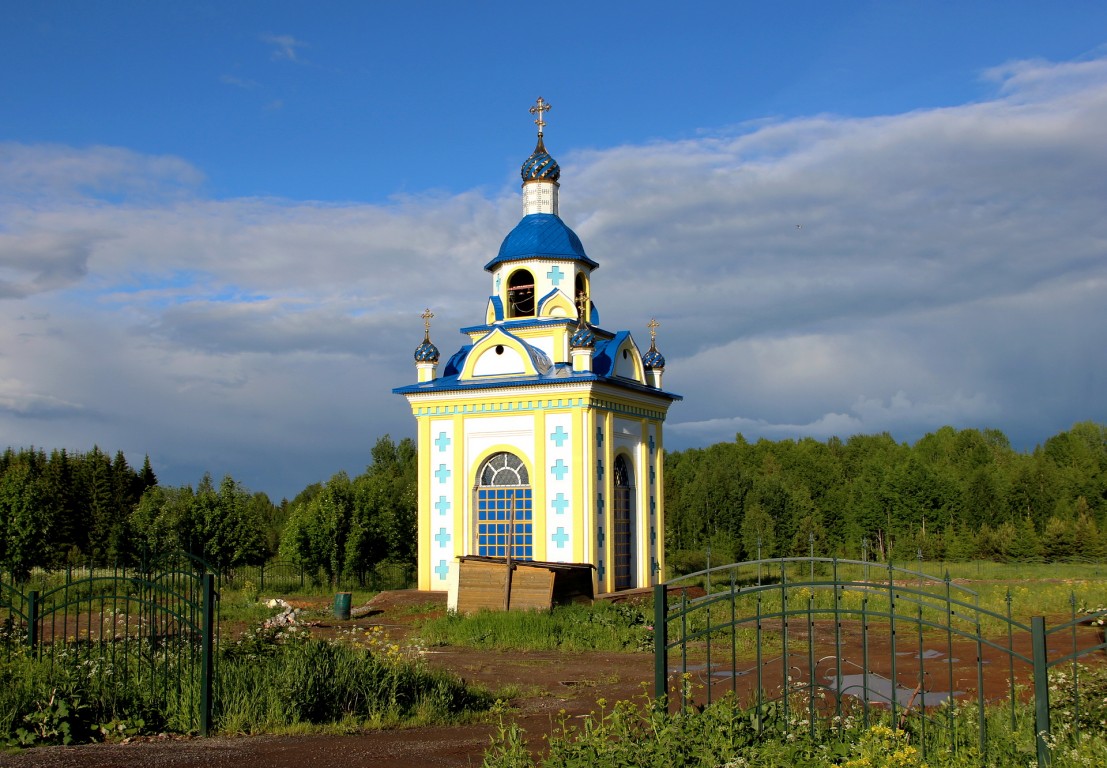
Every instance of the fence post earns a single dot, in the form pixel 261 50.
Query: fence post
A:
pixel 32 620
pixel 660 641
pixel 1041 688
pixel 206 652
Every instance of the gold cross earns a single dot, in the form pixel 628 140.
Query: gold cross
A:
pixel 653 325
pixel 582 302
pixel 427 315
pixel 538 110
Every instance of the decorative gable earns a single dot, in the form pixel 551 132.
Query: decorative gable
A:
pixel 500 353
pixel 628 361
pixel 556 303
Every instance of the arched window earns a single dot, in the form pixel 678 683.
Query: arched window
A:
pixel 624 524
pixel 520 294
pixel 505 508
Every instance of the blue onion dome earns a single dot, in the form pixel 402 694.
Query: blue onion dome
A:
pixel 426 352
pixel 653 360
pixel 540 166
pixel 583 338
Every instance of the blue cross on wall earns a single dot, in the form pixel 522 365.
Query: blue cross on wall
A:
pixel 442 537
pixel 599 502
pixel 560 538
pixel 442 569
pixel 555 275
pixel 442 473
pixel 652 445
pixel 601 536
pixel 600 569
pixel 599 436
pixel 442 505
pixel 599 468
pixel 559 436
pixel 559 469
pixel 560 503
pixel 442 442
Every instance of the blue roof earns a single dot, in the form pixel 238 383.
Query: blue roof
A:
pixel 541 235
pixel 603 369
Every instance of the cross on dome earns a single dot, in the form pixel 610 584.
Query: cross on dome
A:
pixel 653 360
pixel 542 106
pixel 426 352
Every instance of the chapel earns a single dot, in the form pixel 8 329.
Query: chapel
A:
pixel 541 437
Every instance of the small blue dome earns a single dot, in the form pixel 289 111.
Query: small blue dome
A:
pixel 653 360
pixel 426 352
pixel 540 166
pixel 540 235
pixel 583 338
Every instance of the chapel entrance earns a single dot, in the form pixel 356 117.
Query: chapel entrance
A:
pixel 505 509
pixel 624 528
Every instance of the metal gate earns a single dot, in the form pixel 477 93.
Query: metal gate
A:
pixel 846 637
pixel 124 637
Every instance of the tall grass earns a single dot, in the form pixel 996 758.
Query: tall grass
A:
pixel 281 680
pixel 69 696
pixel 726 733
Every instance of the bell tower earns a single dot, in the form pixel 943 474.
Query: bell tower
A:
pixel 542 434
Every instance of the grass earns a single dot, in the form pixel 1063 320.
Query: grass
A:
pixel 1055 591
pixel 273 680
pixel 603 626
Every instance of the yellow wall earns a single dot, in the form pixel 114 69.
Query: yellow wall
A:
pixel 588 409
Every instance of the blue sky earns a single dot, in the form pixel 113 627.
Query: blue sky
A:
pixel 219 222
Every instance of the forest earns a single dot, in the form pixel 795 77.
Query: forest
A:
pixel 952 495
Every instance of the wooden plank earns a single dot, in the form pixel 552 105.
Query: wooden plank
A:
pixel 531 589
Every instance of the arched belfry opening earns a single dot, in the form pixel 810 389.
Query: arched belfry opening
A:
pixel 520 294
pixel 504 508
pixel 623 537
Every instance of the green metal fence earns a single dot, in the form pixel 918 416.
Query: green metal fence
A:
pixel 145 632
pixel 285 576
pixel 849 638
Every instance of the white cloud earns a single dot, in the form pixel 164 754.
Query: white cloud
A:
pixel 284 46
pixel 950 268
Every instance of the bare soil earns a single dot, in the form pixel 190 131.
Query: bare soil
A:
pixel 547 682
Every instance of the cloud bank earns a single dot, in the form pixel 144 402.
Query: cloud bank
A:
pixel 818 276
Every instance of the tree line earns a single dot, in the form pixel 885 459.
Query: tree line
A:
pixel 954 494
pixel 64 508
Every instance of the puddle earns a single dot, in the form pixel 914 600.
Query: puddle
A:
pixel 881 691
pixel 715 670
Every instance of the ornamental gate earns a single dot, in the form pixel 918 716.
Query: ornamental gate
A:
pixel 146 632
pixel 823 640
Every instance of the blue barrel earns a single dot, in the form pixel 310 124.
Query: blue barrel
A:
pixel 342 606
